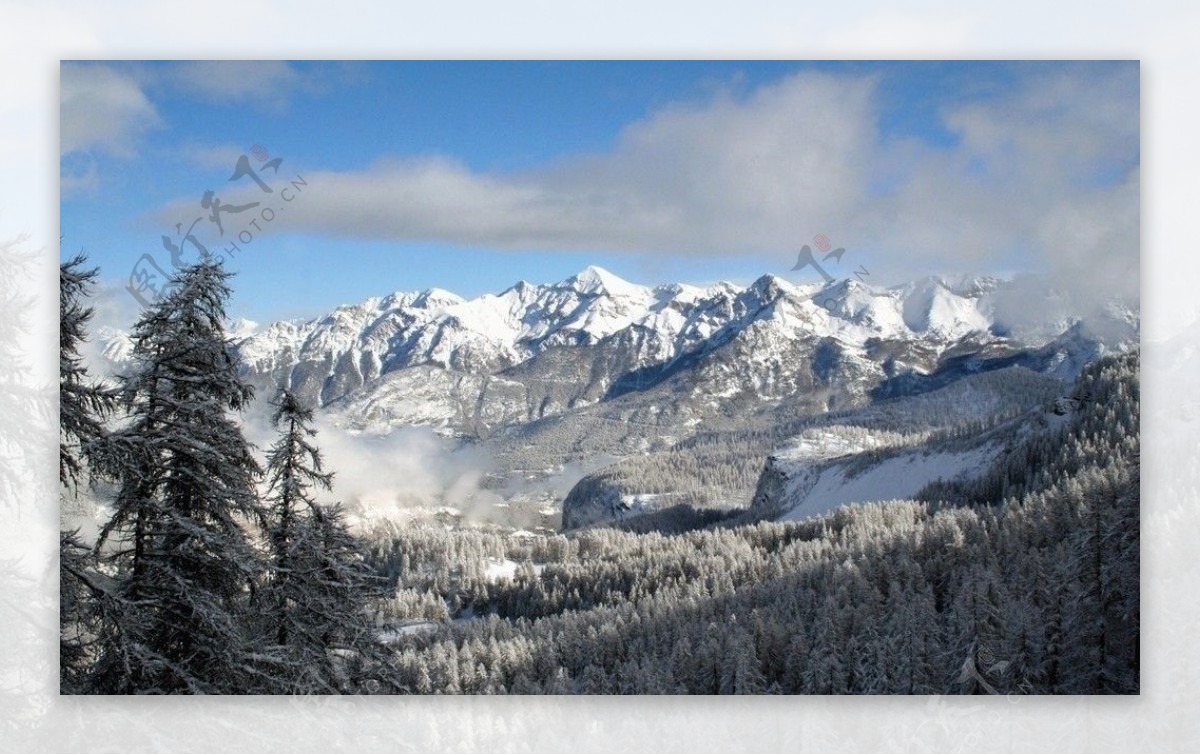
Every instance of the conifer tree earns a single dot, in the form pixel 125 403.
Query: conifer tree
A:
pixel 177 541
pixel 83 404
pixel 79 601
pixel 83 407
pixel 320 590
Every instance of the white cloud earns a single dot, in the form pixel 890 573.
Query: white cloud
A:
pixel 102 109
pixel 211 156
pixel 1031 176
pixel 109 109
pixel 1045 177
pixel 732 174
pixel 267 83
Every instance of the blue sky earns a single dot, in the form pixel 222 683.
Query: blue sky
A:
pixel 470 176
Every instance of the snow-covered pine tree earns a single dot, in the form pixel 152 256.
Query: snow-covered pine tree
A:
pixel 83 404
pixel 79 600
pixel 83 407
pixel 1121 577
pixel 177 542
pixel 319 594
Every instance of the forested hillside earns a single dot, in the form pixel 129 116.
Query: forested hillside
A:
pixel 718 468
pixel 1026 581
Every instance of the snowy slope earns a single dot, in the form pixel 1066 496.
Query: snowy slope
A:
pixel 814 491
pixel 831 466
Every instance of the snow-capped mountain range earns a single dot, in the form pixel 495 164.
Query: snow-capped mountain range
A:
pixel 538 350
pixel 533 351
pixel 495 332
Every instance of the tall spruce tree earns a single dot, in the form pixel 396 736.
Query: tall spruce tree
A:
pixel 177 541
pixel 318 596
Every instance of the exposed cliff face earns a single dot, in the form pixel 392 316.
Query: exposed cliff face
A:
pixel 592 501
pixel 799 489
pixel 768 496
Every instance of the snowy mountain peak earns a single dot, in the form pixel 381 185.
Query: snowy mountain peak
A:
pixel 239 328
pixel 941 306
pixel 434 298
pixel 115 345
pixel 597 281
pixel 770 287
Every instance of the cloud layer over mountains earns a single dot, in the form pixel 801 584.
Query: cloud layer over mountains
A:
pixel 1041 174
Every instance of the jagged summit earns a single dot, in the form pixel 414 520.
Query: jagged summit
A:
pixel 595 280
pixel 771 285
pixel 437 297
